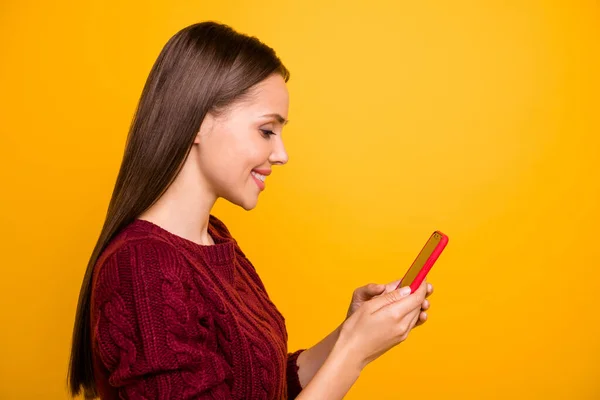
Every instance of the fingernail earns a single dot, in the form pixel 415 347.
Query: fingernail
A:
pixel 405 291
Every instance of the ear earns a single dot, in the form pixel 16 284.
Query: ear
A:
pixel 197 138
pixel 206 128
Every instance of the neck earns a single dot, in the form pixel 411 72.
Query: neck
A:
pixel 185 207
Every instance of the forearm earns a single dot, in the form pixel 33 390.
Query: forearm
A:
pixel 334 378
pixel 311 360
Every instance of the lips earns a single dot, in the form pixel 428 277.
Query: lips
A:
pixel 259 176
pixel 265 172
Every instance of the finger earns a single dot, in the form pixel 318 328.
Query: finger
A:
pixel 416 319
pixel 423 286
pixel 392 285
pixel 425 305
pixel 429 289
pixel 385 299
pixel 421 291
pixel 413 317
pixel 394 305
pixel 422 318
pixel 366 292
pixel 372 289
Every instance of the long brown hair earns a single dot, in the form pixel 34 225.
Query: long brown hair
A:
pixel 203 68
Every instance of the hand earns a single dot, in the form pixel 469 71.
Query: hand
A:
pixel 373 290
pixel 380 324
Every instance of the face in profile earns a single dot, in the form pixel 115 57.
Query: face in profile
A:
pixel 237 148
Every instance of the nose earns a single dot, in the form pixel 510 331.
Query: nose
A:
pixel 278 154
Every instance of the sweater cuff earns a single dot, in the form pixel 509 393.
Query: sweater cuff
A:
pixel 293 382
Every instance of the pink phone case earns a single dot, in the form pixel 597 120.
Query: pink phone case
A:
pixel 428 264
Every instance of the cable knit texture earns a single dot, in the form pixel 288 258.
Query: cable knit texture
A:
pixel 173 319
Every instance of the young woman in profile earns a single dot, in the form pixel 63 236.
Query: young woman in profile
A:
pixel 170 307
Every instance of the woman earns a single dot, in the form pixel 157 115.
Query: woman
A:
pixel 170 307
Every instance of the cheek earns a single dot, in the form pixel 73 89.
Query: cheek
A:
pixel 251 154
pixel 227 162
pixel 257 157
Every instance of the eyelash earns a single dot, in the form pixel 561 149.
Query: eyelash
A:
pixel 266 133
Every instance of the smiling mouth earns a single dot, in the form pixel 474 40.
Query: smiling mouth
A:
pixel 259 180
pixel 259 176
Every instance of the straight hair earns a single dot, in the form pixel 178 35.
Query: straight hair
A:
pixel 203 68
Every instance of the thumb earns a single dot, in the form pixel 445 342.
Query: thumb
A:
pixel 389 298
pixel 374 289
pixel 369 291
pixel 392 285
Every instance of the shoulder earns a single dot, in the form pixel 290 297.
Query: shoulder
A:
pixel 135 235
pixel 141 276
pixel 136 256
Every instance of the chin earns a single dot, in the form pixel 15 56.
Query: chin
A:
pixel 245 203
pixel 248 208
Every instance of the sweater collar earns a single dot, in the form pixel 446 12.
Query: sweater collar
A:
pixel 219 256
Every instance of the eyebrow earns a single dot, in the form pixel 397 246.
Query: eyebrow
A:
pixel 278 117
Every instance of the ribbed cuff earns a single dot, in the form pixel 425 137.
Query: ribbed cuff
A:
pixel 293 382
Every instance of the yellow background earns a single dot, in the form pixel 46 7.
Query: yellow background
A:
pixel 480 119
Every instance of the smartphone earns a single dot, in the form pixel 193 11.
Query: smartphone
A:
pixel 424 261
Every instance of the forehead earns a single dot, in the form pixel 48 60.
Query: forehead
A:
pixel 269 97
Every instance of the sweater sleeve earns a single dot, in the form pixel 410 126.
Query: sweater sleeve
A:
pixel 293 382
pixel 155 335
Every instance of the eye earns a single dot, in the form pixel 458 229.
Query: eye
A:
pixel 266 133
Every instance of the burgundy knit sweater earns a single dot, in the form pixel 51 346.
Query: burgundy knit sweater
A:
pixel 172 319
